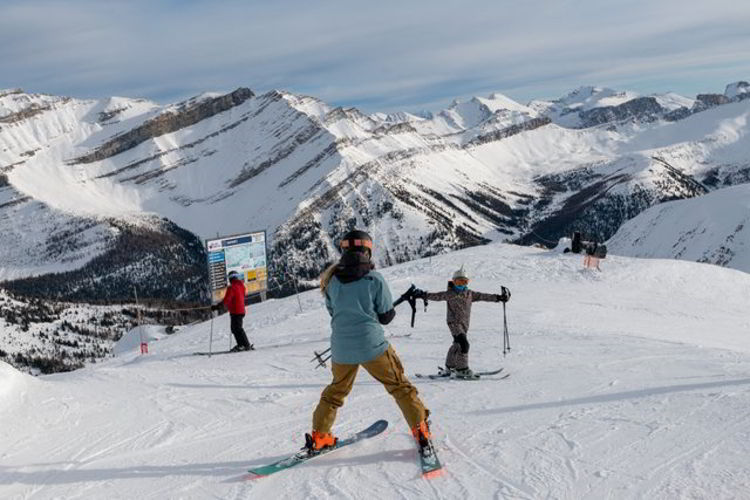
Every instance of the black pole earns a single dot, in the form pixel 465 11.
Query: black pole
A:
pixel 413 304
pixel 409 297
pixel 320 359
pixel 506 337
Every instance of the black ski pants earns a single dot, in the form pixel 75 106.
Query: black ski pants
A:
pixel 235 323
pixel 458 354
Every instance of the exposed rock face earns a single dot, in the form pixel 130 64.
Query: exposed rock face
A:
pixel 643 109
pixel 299 138
pixel 598 204
pixel 710 100
pixel 105 116
pixel 497 135
pixel 678 114
pixel 29 112
pixel 398 128
pixel 171 121
pixel 738 91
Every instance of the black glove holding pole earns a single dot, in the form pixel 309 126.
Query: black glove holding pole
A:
pixel 411 296
pixel 504 295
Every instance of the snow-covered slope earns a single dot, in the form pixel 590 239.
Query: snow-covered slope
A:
pixel 630 383
pixel 714 228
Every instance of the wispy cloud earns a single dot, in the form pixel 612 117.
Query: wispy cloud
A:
pixel 377 55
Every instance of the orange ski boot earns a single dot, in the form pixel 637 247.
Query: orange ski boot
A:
pixel 319 441
pixel 421 433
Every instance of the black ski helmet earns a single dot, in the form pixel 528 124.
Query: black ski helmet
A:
pixel 356 241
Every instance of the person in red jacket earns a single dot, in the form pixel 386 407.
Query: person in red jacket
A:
pixel 234 301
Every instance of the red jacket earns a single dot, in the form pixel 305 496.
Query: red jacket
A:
pixel 234 300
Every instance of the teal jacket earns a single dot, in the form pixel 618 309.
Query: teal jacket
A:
pixel 357 310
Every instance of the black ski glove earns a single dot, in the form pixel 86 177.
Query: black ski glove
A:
pixel 419 294
pixel 406 295
pixel 216 307
pixel 504 295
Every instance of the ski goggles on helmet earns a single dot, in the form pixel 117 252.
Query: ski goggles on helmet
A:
pixel 347 244
pixel 461 281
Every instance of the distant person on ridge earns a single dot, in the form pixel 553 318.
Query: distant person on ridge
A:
pixel 459 299
pixel 234 301
pixel 359 302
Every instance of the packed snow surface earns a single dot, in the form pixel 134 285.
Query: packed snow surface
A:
pixel 628 383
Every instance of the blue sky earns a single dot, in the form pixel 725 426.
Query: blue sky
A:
pixel 379 56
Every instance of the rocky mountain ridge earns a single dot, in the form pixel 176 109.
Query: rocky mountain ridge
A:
pixel 481 170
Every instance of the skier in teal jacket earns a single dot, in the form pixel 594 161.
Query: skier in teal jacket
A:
pixel 359 302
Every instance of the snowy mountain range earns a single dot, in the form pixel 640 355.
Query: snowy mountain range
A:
pixel 111 193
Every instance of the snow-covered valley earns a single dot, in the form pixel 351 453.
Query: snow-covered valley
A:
pixel 629 383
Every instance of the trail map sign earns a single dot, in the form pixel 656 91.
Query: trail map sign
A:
pixel 244 253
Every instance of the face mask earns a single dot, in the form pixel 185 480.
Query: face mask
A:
pixel 460 288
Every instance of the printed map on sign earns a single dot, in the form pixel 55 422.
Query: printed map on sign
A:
pixel 251 255
pixel 244 253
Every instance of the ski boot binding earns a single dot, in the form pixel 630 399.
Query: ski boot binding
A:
pixel 464 373
pixel 318 442
pixel 422 435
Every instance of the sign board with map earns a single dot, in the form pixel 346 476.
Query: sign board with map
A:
pixel 244 253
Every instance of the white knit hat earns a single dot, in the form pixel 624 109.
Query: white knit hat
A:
pixel 461 273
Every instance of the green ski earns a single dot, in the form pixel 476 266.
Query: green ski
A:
pixel 303 455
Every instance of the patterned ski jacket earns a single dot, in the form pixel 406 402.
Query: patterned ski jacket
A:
pixel 459 306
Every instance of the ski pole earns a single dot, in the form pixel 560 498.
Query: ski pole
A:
pixel 323 362
pixel 413 304
pixel 406 295
pixel 409 297
pixel 211 336
pixel 319 358
pixel 506 337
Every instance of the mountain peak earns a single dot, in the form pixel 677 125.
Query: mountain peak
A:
pixel 6 92
pixel 736 89
pixel 497 101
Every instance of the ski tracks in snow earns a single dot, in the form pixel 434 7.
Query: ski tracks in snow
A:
pixel 605 400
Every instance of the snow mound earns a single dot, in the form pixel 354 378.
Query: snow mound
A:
pixel 131 341
pixel 12 385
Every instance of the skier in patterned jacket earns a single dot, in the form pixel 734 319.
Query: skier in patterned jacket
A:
pixel 459 299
